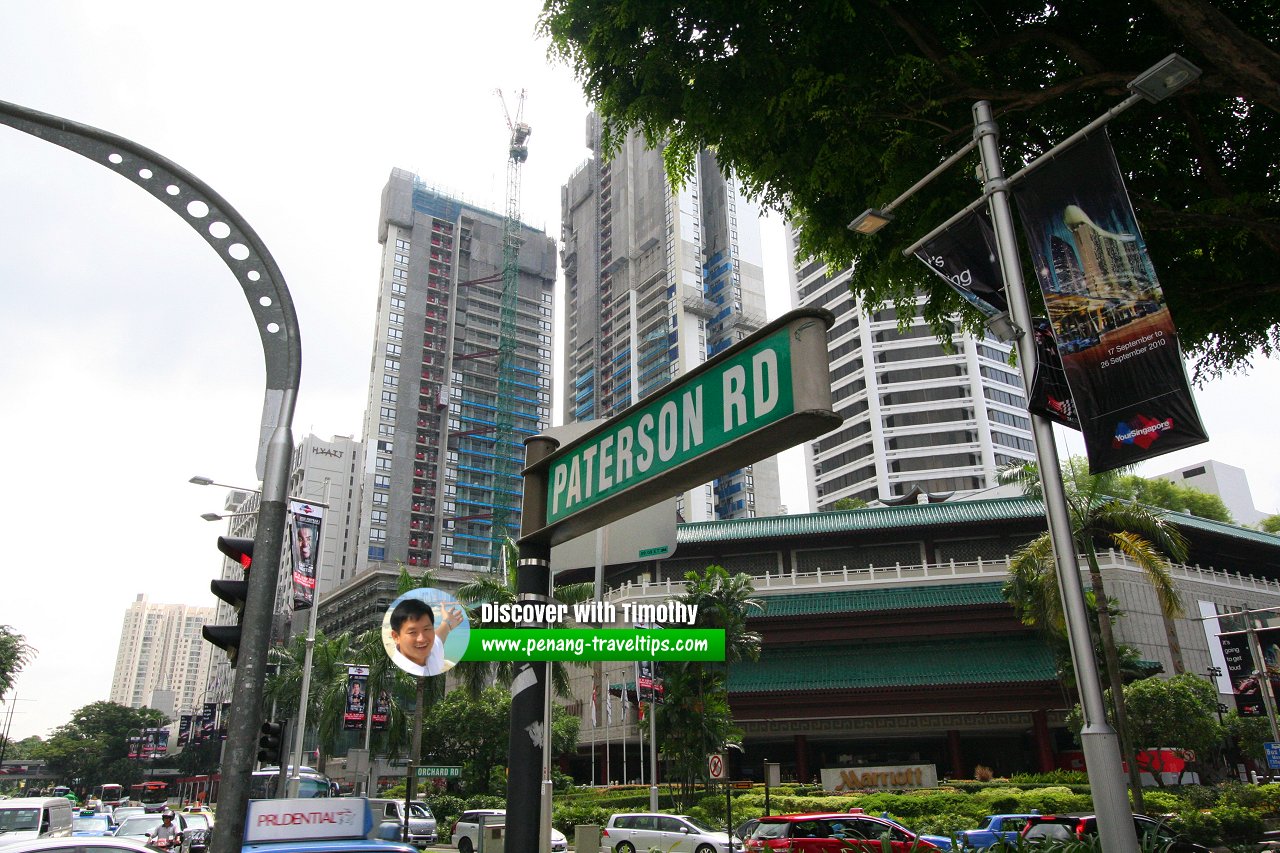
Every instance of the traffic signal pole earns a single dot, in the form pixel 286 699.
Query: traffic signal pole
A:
pixel 246 706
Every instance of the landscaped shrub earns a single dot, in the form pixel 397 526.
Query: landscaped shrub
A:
pixel 1159 802
pixel 999 800
pixel 1239 824
pixel 949 824
pixel 446 808
pixel 1053 777
pixel 1055 800
pixel 1200 796
pixel 566 817
pixel 1241 794
pixel 1200 827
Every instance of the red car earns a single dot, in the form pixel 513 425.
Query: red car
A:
pixel 831 833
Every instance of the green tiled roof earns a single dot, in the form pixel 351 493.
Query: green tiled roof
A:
pixel 901 663
pixel 901 598
pixel 918 515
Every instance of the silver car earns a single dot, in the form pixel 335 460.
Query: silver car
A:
pixel 627 833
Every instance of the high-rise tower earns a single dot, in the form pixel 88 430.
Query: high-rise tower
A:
pixel 915 415
pixel 431 423
pixel 657 280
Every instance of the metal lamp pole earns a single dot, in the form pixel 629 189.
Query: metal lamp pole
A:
pixel 259 277
pixel 1099 740
pixel 295 777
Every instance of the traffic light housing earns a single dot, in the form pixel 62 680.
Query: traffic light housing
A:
pixel 271 743
pixel 233 592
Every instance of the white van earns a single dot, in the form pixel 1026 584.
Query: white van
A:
pixel 26 818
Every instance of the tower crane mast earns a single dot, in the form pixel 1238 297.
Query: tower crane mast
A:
pixel 506 449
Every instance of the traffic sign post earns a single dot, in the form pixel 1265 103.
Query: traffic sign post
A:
pixel 769 392
pixel 439 771
pixel 716 768
pixel 1273 754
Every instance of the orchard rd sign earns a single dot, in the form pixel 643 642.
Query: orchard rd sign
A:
pixel 769 392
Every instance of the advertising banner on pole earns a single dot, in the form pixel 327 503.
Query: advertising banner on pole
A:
pixel 1118 343
pixel 357 699
pixel 381 711
pixel 208 721
pixel 305 539
pixel 184 730
pixel 1243 672
pixel 964 256
pixel 224 716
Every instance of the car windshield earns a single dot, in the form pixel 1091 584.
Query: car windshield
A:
pixel 697 824
pixel 140 825
pixel 19 820
pixel 86 822
pixel 196 821
pixel 770 829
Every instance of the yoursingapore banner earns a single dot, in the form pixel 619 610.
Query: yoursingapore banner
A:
pixel 965 257
pixel 1118 343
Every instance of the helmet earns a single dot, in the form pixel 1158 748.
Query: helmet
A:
pixel 166 814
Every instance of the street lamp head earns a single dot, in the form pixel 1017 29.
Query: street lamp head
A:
pixel 1003 327
pixel 201 481
pixel 870 221
pixel 210 516
pixel 1166 77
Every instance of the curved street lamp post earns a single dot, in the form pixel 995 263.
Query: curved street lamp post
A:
pixel 244 253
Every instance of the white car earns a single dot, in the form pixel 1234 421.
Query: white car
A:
pixel 627 833
pixel 466 830
pixel 106 844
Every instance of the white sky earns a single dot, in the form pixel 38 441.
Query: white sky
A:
pixel 130 361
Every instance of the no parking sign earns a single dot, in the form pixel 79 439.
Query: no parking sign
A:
pixel 716 768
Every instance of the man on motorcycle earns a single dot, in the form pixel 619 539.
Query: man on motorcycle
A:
pixel 166 834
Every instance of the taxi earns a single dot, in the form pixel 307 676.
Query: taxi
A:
pixel 314 825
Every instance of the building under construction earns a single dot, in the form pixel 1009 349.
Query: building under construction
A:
pixel 458 379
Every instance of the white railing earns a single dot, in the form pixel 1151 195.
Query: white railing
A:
pixel 946 570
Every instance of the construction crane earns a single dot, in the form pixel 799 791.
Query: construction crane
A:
pixel 506 468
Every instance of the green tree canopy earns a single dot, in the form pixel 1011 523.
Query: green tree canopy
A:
pixel 826 109
pixel 1178 712
pixel 1178 497
pixel 473 732
pixel 14 655
pixel 94 746
pixel 1271 524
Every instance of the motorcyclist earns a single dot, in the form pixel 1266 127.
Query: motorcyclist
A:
pixel 166 834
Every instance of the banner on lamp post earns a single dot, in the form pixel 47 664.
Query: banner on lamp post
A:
pixel 1245 675
pixel 305 539
pixel 965 257
pixel 357 698
pixel 1118 344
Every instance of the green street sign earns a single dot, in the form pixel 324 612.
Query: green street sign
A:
pixel 769 392
pixel 438 771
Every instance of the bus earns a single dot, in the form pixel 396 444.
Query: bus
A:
pixel 152 796
pixel 110 795
pixel 310 784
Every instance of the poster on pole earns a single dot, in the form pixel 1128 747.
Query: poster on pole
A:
pixel 357 698
pixel 1244 673
pixel 964 256
pixel 1118 344
pixel 208 721
pixel 382 711
pixel 184 730
pixel 305 520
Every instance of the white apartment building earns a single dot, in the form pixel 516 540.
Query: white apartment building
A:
pixel 915 415
pixel 657 280
pixel 162 659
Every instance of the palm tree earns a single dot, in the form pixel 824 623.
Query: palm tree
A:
pixel 1135 530
pixel 694 718
pixel 500 588
pixel 326 702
